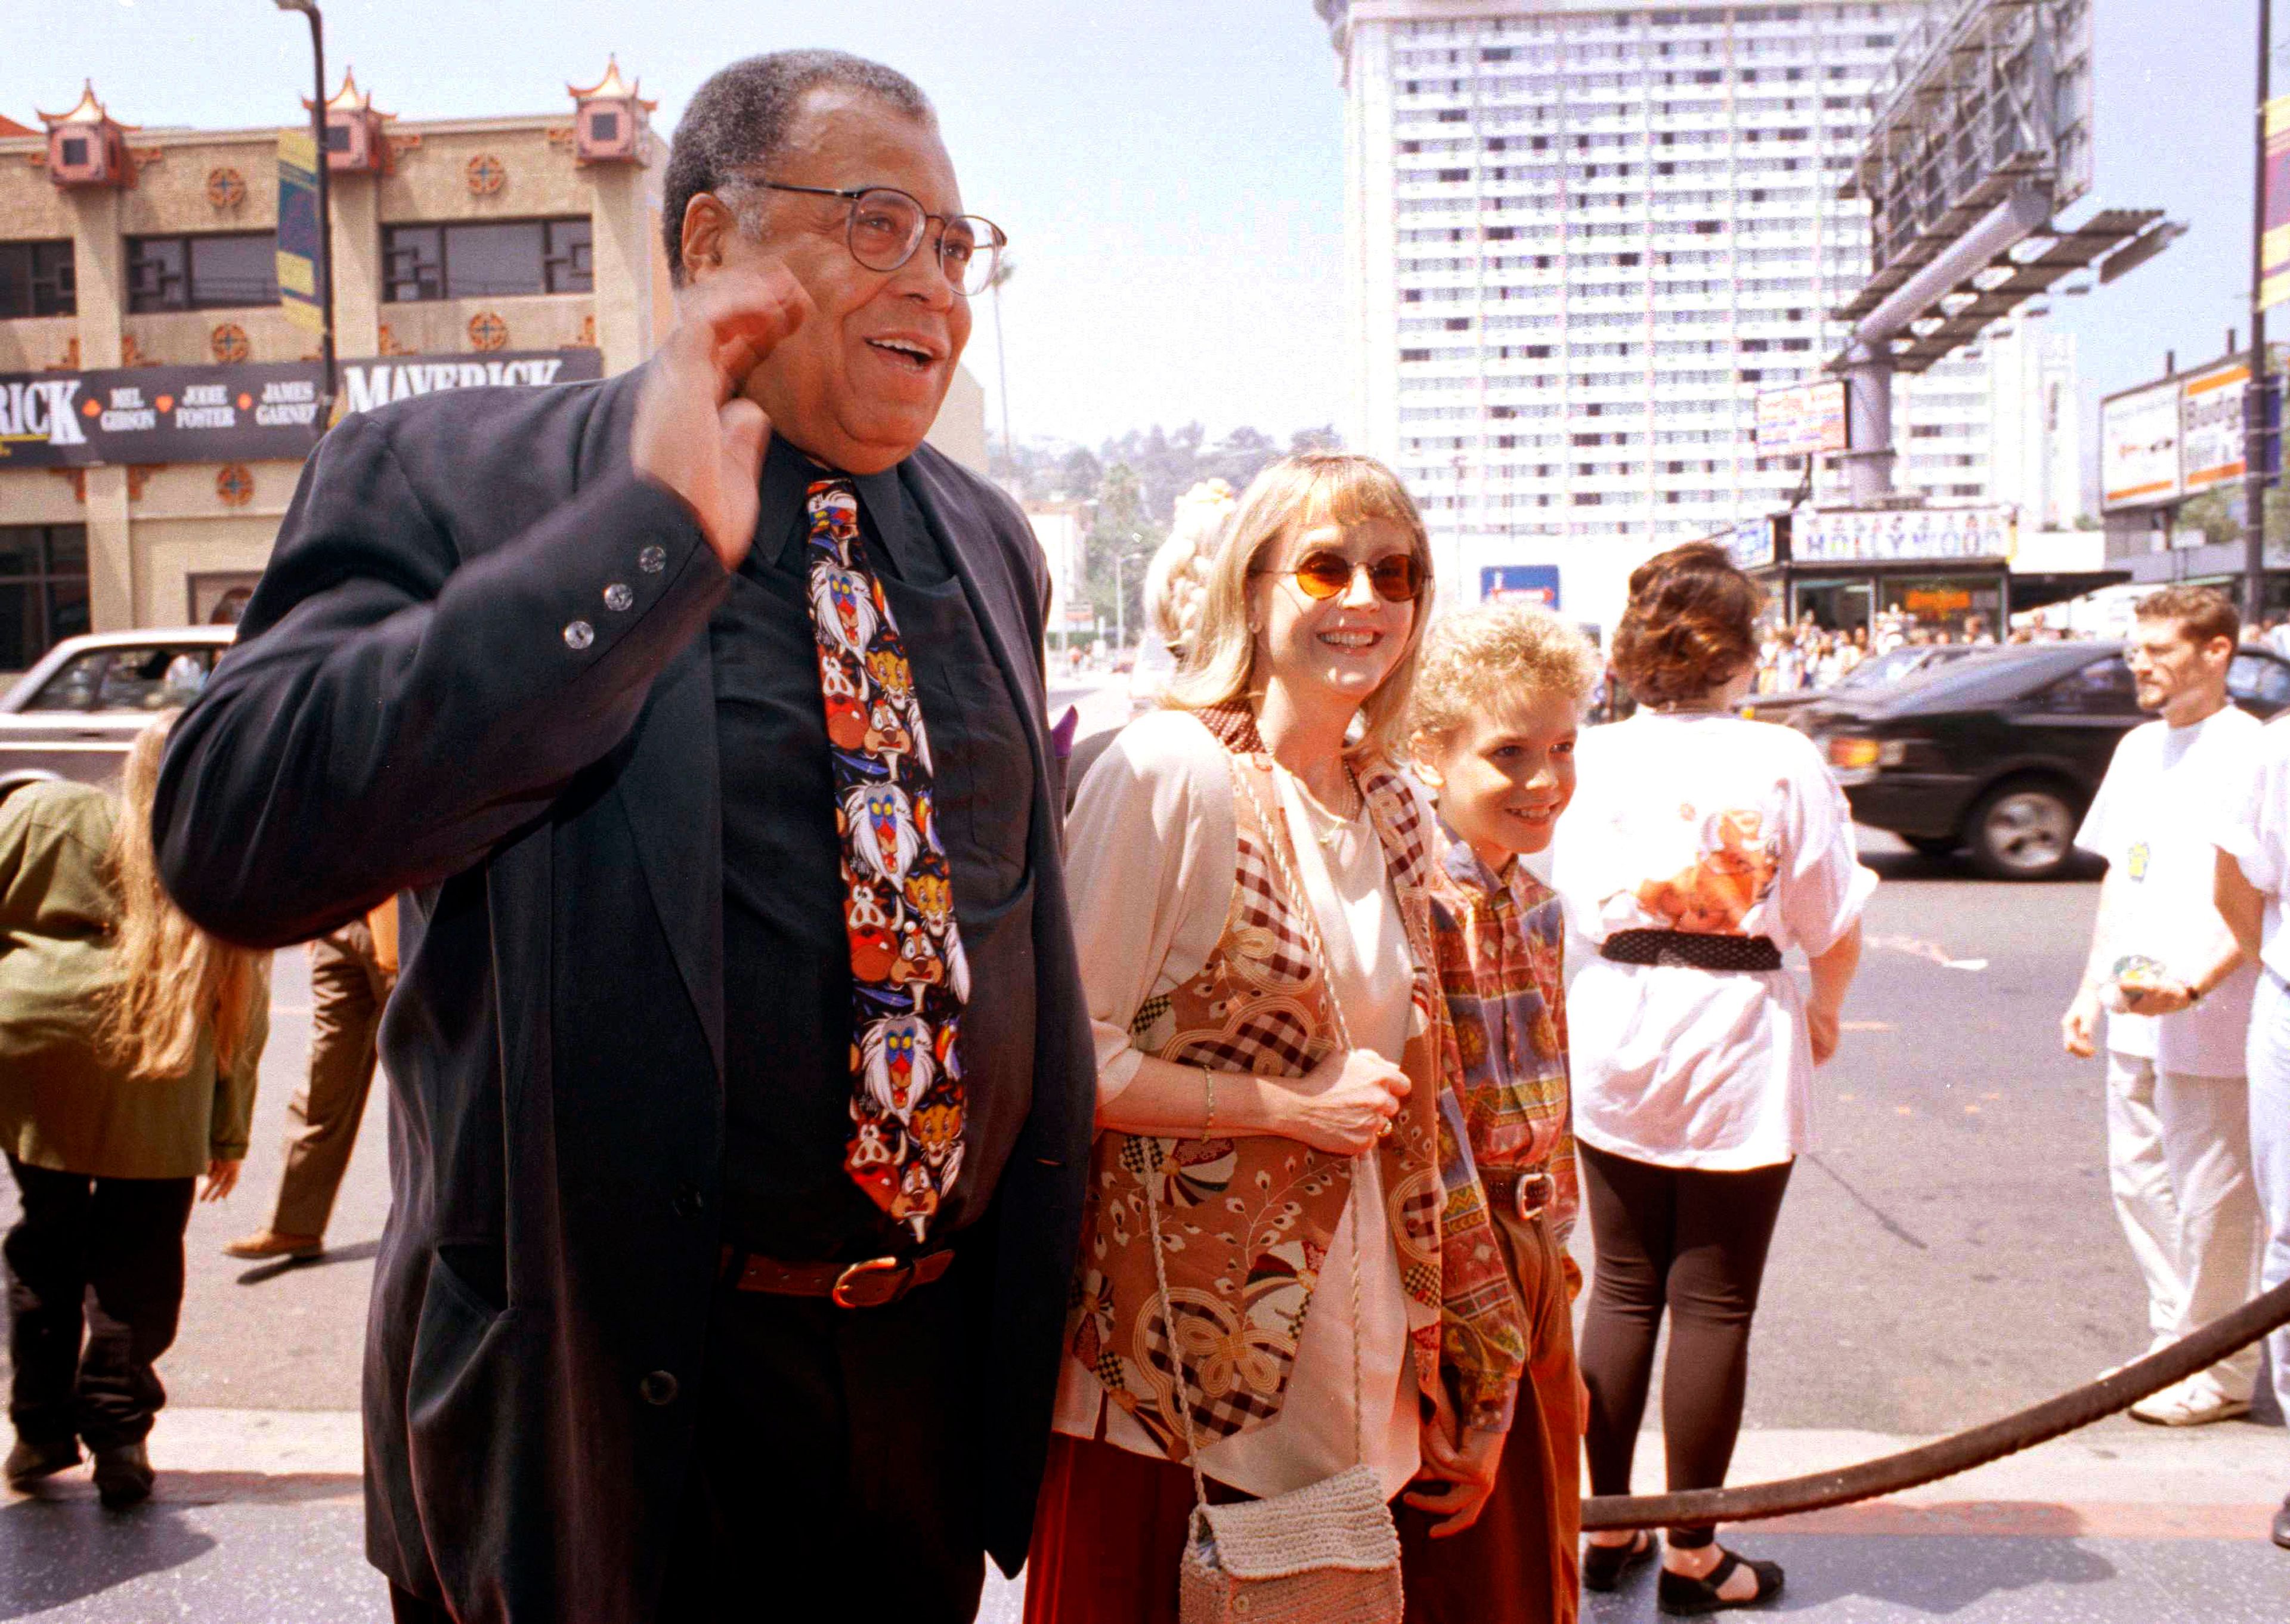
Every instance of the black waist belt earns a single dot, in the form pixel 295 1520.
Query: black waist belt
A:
pixel 1692 948
pixel 871 1284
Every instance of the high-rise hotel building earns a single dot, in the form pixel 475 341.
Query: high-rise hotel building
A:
pixel 1583 237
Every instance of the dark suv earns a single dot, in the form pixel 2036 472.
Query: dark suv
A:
pixel 2001 752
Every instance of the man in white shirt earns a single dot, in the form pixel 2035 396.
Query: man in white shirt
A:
pixel 2177 989
pixel 2252 828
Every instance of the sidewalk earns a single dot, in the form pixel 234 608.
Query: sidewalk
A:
pixel 258 1521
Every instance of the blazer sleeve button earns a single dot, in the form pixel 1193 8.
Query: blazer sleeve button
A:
pixel 653 560
pixel 657 1389
pixel 579 635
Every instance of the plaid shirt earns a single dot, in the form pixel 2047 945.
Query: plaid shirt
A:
pixel 1502 954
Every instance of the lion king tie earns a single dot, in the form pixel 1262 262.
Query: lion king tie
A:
pixel 909 978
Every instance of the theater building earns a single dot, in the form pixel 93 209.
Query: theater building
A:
pixel 157 399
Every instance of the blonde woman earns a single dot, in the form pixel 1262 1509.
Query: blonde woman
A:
pixel 1268 788
pixel 129 1040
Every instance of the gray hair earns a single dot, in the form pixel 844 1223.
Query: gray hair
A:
pixel 740 120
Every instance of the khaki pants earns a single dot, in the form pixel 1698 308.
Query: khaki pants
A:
pixel 2178 1152
pixel 348 990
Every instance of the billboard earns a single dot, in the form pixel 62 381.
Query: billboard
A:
pixel 2139 447
pixel 1751 544
pixel 1887 535
pixel 1523 583
pixel 300 295
pixel 253 413
pixel 1805 420
pixel 2211 406
pixel 2274 242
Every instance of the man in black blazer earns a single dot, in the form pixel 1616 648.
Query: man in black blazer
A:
pixel 643 1345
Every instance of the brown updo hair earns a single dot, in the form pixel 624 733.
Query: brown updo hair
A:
pixel 1692 624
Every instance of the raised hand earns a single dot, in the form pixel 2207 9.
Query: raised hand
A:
pixel 695 434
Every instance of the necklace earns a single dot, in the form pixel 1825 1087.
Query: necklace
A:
pixel 1337 824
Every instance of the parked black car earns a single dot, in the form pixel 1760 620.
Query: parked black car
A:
pixel 2000 752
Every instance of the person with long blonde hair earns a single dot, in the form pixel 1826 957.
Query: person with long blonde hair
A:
pixel 1247 870
pixel 129 1044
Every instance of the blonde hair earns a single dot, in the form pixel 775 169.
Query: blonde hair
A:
pixel 1292 495
pixel 174 979
pixel 1497 652
pixel 1178 575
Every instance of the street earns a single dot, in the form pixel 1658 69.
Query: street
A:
pixel 1948 1255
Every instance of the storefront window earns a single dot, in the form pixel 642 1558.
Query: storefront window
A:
pixel 1947 604
pixel 42 589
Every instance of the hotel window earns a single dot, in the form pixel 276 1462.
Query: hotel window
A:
pixel 36 279
pixel 42 589
pixel 482 259
pixel 202 273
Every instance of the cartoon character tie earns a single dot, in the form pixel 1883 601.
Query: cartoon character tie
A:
pixel 909 978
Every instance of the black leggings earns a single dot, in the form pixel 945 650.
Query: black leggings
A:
pixel 1694 1242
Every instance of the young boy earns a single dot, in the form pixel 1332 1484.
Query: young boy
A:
pixel 1499 696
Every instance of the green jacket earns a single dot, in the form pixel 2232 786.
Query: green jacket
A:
pixel 63 1104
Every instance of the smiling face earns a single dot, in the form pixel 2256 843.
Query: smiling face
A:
pixel 1334 648
pixel 859 383
pixel 1504 776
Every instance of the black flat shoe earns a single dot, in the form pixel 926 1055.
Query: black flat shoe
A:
pixel 122 1475
pixel 1603 1566
pixel 28 1462
pixel 2282 1526
pixel 1677 1594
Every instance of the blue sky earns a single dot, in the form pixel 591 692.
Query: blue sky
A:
pixel 1171 174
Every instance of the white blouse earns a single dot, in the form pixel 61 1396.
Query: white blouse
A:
pixel 1704 823
pixel 1152 850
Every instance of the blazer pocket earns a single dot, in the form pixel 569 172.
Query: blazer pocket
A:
pixel 470 1382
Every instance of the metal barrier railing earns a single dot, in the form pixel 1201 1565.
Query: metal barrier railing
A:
pixel 1959 1452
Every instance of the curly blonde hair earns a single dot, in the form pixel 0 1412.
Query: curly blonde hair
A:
pixel 1178 577
pixel 174 979
pixel 1498 652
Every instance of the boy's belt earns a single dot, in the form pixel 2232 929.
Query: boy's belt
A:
pixel 1525 1196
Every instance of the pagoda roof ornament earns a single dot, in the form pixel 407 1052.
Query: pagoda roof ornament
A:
pixel 349 99
pixel 90 111
pixel 611 85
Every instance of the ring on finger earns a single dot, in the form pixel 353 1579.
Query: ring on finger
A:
pixel 1383 1129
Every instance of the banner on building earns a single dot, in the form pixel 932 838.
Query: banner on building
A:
pixel 364 385
pixel 2139 447
pixel 2211 427
pixel 2274 242
pixel 1882 535
pixel 1805 419
pixel 253 413
pixel 1520 583
pixel 300 295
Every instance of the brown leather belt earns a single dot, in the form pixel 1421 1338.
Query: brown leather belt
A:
pixel 1525 1195
pixel 875 1283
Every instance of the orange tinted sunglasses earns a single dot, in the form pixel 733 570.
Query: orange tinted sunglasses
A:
pixel 1396 578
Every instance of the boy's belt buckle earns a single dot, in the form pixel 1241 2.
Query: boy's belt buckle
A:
pixel 1531 1196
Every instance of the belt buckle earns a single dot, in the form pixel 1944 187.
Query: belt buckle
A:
pixel 874 1283
pixel 1531 1196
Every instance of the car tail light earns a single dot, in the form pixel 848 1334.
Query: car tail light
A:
pixel 1849 754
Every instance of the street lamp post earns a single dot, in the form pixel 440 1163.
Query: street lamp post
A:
pixel 325 258
pixel 1120 602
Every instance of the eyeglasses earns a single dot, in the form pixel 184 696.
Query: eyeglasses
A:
pixel 886 226
pixel 1397 578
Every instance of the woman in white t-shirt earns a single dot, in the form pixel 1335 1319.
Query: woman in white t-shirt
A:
pixel 1700 848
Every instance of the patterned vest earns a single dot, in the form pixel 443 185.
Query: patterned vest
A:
pixel 1246 1222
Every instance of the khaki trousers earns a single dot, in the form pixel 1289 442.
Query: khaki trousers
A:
pixel 348 990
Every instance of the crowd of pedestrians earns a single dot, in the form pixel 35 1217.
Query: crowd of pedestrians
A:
pixel 821 1160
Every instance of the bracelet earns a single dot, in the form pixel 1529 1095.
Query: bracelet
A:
pixel 1208 1081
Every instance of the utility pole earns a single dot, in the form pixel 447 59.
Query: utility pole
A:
pixel 2257 431
pixel 325 264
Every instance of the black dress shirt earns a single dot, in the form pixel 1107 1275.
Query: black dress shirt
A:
pixel 788 1028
